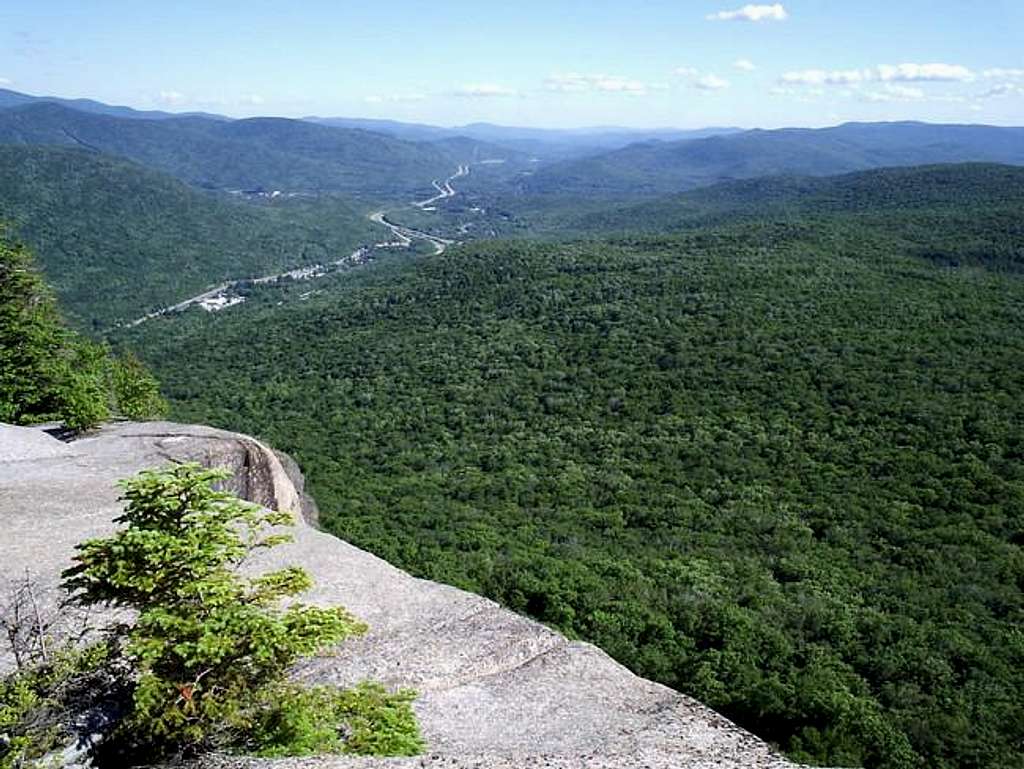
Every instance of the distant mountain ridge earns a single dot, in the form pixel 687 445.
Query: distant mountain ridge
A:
pixel 386 159
pixel 654 169
pixel 9 98
pixel 945 186
pixel 545 143
pixel 117 240
pixel 268 153
pixel 974 200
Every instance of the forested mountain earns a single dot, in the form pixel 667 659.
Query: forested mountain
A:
pixel 50 373
pixel 964 185
pixel 10 98
pixel 475 151
pixel 408 131
pixel 117 240
pixel 266 153
pixel 973 198
pixel 545 143
pixel 765 444
pixel 652 169
pixel 776 464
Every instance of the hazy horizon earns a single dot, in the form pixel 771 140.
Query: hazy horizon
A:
pixel 580 129
pixel 654 64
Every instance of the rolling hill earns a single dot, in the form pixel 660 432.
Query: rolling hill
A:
pixel 544 143
pixel 264 153
pixel 972 197
pixel 776 464
pixel 117 240
pixel 9 98
pixel 653 169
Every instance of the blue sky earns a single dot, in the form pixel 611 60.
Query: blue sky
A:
pixel 645 63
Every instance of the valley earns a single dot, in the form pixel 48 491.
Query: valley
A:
pixel 740 407
pixel 404 236
pixel 444 189
pixel 231 293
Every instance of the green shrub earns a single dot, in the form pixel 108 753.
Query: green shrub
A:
pixel 136 392
pixel 35 701
pixel 210 649
pixel 47 371
pixel 30 338
pixel 365 720
pixel 83 389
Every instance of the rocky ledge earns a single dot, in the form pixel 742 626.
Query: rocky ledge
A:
pixel 496 690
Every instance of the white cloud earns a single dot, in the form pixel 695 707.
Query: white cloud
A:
pixel 805 95
pixel 568 83
pixel 911 73
pixel 485 91
pixel 252 100
pixel 775 12
pixel 574 82
pixel 620 85
pixel 825 77
pixel 891 93
pixel 1002 89
pixel 5 81
pixel 884 73
pixel 171 98
pixel 395 98
pixel 711 83
pixel 904 92
pixel 744 65
pixel 999 73
pixel 706 81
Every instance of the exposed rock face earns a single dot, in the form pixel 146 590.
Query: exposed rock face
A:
pixel 310 511
pixel 18 444
pixel 496 690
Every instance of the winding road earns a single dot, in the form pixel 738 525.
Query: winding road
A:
pixel 221 297
pixel 406 235
pixel 444 189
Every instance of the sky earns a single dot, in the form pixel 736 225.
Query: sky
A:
pixel 644 64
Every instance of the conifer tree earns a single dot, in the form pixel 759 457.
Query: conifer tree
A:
pixel 30 335
pixel 208 643
pixel 50 373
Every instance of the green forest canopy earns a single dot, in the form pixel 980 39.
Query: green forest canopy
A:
pixel 117 240
pixel 778 466
pixel 272 153
pixel 47 371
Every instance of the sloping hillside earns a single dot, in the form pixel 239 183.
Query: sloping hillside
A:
pixel 117 240
pixel 652 169
pixel 495 690
pixel 9 98
pixel 961 204
pixel 778 466
pixel 267 153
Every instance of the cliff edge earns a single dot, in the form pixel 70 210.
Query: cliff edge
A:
pixel 496 690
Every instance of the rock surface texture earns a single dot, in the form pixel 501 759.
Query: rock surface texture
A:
pixel 496 690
